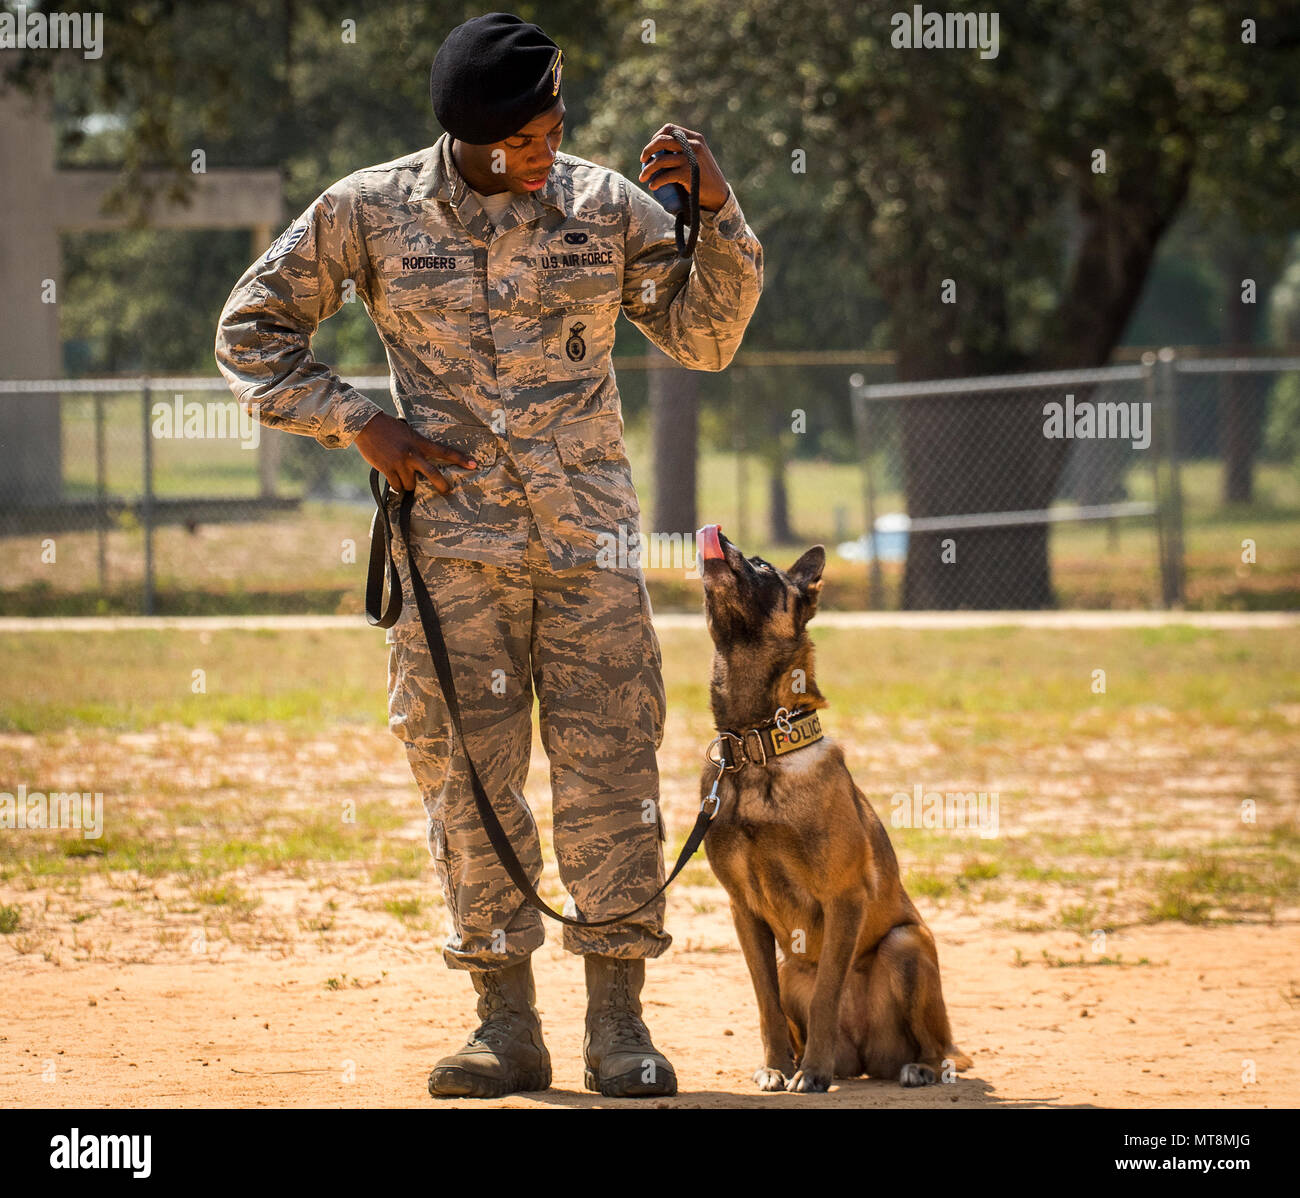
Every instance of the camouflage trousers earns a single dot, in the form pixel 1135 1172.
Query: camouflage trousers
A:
pixel 583 637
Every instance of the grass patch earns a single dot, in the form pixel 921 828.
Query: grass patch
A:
pixel 203 845
pixel 302 681
pixel 1027 871
pixel 130 681
pixel 343 982
pixel 980 871
pixel 927 885
pixel 11 918
pixel 1082 919
pixel 1081 962
pixel 403 869
pixel 1233 887
pixel 404 908
pixel 227 896
pixel 1178 906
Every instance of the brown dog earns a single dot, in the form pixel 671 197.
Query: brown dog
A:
pixel 844 970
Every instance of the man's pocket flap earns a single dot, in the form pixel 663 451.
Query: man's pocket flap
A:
pixel 594 439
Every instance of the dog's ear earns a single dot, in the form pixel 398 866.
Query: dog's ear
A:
pixel 806 574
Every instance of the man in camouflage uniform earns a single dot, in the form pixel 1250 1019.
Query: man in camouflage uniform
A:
pixel 494 268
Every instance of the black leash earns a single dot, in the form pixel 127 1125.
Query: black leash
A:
pixel 381 543
pixel 686 246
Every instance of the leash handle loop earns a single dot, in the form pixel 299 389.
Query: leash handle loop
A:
pixel 381 556
pixel 686 245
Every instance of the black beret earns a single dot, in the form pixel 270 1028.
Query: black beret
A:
pixel 492 76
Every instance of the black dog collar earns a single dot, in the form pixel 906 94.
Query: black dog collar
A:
pixel 785 733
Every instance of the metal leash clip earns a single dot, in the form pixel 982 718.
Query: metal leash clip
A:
pixel 783 720
pixel 721 762
pixel 712 796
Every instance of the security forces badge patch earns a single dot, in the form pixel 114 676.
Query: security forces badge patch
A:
pixel 574 346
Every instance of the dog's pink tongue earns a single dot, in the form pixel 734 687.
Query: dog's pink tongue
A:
pixel 707 541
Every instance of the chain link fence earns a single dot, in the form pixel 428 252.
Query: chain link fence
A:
pixel 1237 461
pixel 161 494
pixel 1164 482
pixel 1153 484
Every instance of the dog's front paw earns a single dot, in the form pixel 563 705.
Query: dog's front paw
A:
pixel 768 1078
pixel 916 1075
pixel 809 1081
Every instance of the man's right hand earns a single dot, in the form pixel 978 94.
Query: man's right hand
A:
pixel 399 453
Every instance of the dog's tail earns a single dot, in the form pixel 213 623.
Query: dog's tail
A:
pixel 960 1061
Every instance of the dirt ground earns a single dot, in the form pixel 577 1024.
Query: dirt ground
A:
pixel 362 1027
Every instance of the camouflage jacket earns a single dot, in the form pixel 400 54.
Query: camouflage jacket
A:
pixel 498 340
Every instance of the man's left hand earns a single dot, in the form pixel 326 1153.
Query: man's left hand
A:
pixel 674 168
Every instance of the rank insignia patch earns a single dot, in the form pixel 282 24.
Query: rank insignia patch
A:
pixel 286 241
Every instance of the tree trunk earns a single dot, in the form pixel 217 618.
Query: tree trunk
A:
pixel 777 453
pixel 1240 406
pixel 779 501
pixel 978 454
pixel 1238 437
pixel 674 432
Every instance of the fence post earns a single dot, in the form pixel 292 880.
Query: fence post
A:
pixel 146 498
pixel 268 462
pixel 101 494
pixel 860 409
pixel 1156 447
pixel 1172 574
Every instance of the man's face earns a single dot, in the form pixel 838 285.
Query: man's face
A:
pixel 521 162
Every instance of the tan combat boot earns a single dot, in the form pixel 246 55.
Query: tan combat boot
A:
pixel 620 1059
pixel 506 1052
